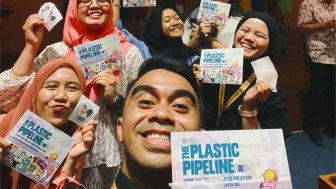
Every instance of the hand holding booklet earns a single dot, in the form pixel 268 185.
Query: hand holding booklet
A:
pixel 37 148
pixel 229 159
pixel 265 70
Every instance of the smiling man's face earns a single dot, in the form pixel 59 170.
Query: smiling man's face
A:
pixel 159 103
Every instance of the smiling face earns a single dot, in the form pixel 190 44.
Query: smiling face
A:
pixel 172 24
pixel 94 16
pixel 253 37
pixel 58 96
pixel 159 103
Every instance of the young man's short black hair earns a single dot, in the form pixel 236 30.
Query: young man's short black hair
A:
pixel 169 64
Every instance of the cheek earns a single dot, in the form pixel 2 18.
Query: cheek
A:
pixel 44 97
pixel 74 98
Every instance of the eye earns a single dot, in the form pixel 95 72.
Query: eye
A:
pixel 73 88
pixel 261 36
pixel 145 103
pixel 181 108
pixel 50 86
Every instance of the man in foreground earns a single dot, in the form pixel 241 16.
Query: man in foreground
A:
pixel 164 98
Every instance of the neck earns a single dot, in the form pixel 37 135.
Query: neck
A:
pixel 145 178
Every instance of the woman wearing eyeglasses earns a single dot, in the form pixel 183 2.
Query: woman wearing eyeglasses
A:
pixel 85 21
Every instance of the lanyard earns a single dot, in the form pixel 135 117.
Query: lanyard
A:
pixel 221 105
pixel 114 186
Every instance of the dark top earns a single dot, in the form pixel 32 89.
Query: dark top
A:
pixel 123 182
pixel 271 114
pixel 159 43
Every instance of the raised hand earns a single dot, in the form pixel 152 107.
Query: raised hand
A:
pixel 34 30
pixel 255 95
pixel 106 84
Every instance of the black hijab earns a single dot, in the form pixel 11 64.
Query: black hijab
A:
pixel 159 43
pixel 271 25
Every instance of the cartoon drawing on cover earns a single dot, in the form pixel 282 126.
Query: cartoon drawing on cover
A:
pixel 270 179
pixel 18 156
pixel 85 112
pixel 26 161
pixel 48 166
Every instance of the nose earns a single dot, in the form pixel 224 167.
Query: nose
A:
pixel 60 95
pixel 162 114
pixel 249 36
pixel 94 3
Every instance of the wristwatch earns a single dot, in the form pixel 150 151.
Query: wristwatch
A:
pixel 244 113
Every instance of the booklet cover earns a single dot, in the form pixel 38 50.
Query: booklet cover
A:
pixel 99 55
pixel 37 148
pixel 139 3
pixel 230 159
pixel 215 11
pixel 222 66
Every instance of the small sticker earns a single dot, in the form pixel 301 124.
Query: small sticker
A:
pixel 84 111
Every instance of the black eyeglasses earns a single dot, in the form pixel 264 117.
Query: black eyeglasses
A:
pixel 101 3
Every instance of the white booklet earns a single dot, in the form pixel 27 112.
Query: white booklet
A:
pixel 229 159
pixel 139 3
pixel 222 66
pixel 37 148
pixel 215 11
pixel 100 55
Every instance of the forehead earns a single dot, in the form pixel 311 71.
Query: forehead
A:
pixel 165 81
pixel 63 73
pixel 168 12
pixel 255 24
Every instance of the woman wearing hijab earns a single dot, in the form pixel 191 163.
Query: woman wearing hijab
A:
pixel 253 104
pixel 53 95
pixel 85 21
pixel 217 36
pixel 163 34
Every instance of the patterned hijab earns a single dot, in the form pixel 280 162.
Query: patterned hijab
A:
pixel 159 43
pixel 28 101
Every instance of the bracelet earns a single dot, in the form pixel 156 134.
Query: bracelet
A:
pixel 244 113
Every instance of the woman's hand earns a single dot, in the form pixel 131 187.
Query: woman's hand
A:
pixel 106 84
pixel 205 28
pixel 84 141
pixel 255 95
pixel 34 30
pixel 197 72
pixel 3 146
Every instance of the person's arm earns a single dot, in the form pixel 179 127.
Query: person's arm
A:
pixel 307 22
pixel 34 31
pixel 68 173
pixel 116 10
pixel 310 27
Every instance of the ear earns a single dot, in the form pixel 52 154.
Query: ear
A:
pixel 119 129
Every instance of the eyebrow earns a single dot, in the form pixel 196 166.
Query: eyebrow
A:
pixel 56 81
pixel 177 93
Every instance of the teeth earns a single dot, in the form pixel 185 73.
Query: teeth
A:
pixel 157 136
pixel 96 14
pixel 246 45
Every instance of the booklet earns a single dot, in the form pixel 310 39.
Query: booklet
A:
pixel 215 11
pixel 222 66
pixel 230 159
pixel 139 3
pixel 264 70
pixel 99 55
pixel 37 148
pixel 50 14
